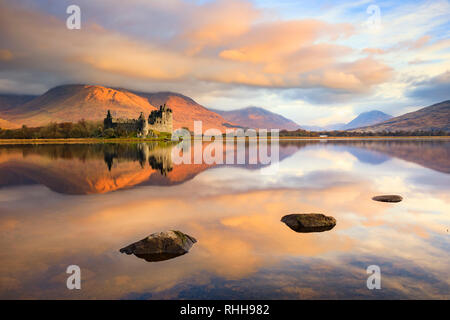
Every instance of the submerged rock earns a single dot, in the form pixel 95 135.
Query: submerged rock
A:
pixel 309 222
pixel 388 198
pixel 161 246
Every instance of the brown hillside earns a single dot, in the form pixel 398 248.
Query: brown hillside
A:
pixel 10 101
pixel 75 102
pixel 70 103
pixel 4 124
pixel 258 118
pixel 432 118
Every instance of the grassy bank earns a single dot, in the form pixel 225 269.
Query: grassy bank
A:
pixel 138 140
pixel 79 140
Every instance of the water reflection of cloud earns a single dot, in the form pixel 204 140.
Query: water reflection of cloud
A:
pixel 430 181
pixel 233 244
pixel 312 278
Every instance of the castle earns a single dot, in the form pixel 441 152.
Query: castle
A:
pixel 160 120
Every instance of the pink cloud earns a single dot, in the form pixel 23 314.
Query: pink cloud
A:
pixel 221 42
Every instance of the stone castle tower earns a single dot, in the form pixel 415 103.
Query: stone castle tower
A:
pixel 142 126
pixel 160 120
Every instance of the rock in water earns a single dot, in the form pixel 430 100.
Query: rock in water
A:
pixel 388 198
pixel 309 222
pixel 161 246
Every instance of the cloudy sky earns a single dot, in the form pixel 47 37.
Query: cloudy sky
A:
pixel 316 62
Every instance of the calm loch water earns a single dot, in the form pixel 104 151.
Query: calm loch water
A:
pixel 64 205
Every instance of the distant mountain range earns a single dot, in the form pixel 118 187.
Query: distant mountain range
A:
pixel 9 102
pixel 367 119
pixel 255 117
pixel 364 119
pixel 70 103
pixel 435 117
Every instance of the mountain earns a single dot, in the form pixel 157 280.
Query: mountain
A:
pixel 258 118
pixel 70 103
pixel 74 102
pixel 434 117
pixel 4 124
pixel 366 119
pixel 363 120
pixel 9 101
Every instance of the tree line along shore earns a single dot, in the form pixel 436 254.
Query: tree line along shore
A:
pixel 84 129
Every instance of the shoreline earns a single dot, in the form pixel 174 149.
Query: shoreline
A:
pixel 137 140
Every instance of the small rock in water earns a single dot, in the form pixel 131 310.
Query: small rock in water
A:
pixel 161 246
pixel 388 198
pixel 309 222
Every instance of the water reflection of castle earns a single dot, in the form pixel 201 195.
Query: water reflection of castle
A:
pixel 157 157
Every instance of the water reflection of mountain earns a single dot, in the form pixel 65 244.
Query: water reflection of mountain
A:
pixel 99 168
pixel 367 156
pixel 432 154
pixel 85 168
pixel 102 168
